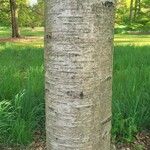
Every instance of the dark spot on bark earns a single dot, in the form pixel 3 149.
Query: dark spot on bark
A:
pixel 69 93
pixel 106 120
pixel 48 36
pixel 73 94
pixel 81 95
pixel 52 109
pixel 73 77
pixel 105 134
pixel 79 4
pixel 108 4
pixel 78 108
pixel 76 55
pixel 47 90
pixel 87 106
pixel 108 78
pixel 98 7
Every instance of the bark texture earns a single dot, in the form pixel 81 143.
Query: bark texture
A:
pixel 78 62
pixel 14 19
pixel 135 9
pixel 131 11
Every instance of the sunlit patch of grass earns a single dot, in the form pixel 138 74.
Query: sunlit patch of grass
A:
pixel 37 31
pixel 139 40
pixel 5 32
pixel 32 42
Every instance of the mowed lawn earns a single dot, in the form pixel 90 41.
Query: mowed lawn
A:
pixel 22 87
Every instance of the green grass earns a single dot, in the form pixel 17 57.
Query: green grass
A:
pixel 22 90
pixel 126 39
pixel 5 32
pixel 131 91
pixel 21 93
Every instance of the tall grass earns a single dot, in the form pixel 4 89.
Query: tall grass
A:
pixel 22 92
pixel 131 91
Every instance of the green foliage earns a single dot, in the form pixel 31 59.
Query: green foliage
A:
pixel 131 91
pixel 28 16
pixel 32 16
pixel 139 19
pixel 4 13
pixel 122 12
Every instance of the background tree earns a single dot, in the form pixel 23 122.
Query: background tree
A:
pixel 132 15
pixel 32 16
pixel 17 13
pixel 131 11
pixel 37 14
pixel 14 19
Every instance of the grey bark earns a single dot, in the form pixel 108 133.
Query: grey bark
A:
pixel 78 78
pixel 14 19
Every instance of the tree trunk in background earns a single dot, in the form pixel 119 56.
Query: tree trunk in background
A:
pixel 131 11
pixel 139 7
pixel 135 9
pixel 78 61
pixel 14 19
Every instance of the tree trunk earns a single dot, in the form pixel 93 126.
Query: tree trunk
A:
pixel 135 9
pixel 78 62
pixel 139 7
pixel 14 19
pixel 131 11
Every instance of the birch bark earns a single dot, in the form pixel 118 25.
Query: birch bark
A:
pixel 78 78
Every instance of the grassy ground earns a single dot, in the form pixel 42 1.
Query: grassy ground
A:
pixel 5 32
pixel 21 92
pixel 121 39
pixel 131 91
pixel 22 88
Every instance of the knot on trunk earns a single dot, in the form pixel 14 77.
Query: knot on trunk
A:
pixel 108 4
